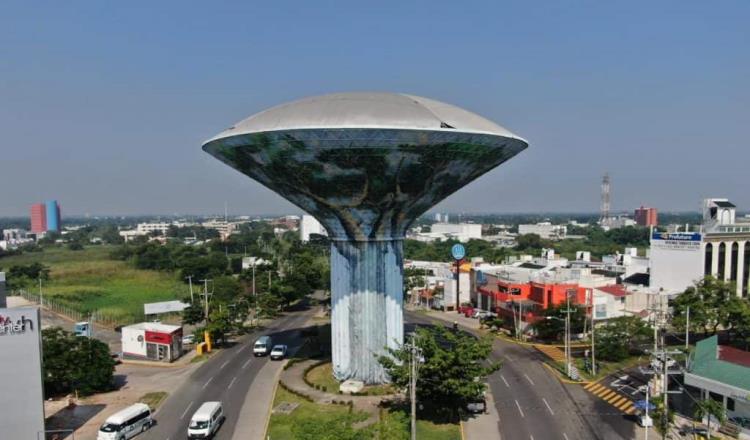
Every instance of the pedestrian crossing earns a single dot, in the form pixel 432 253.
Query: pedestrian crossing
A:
pixel 610 396
pixel 551 351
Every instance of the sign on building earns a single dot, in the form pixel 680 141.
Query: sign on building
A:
pixel 22 403
pixel 164 307
pixel 676 260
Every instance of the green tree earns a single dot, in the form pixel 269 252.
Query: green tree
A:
pixel 530 241
pixel 552 324
pixel 620 337
pixel 194 313
pixel 711 302
pixel 454 370
pixel 73 363
pixel 707 408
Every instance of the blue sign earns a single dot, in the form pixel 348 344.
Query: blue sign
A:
pixel 458 251
pixel 676 236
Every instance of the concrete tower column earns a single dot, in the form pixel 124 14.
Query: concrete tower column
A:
pixel 367 306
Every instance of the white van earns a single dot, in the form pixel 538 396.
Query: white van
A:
pixel 206 420
pixel 263 346
pixel 127 423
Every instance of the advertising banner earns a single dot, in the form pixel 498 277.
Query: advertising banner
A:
pixel 22 406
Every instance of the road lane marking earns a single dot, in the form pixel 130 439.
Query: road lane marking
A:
pixel 207 382
pixel 224 364
pixel 547 405
pixel 504 381
pixel 565 436
pixel 232 382
pixel 186 410
pixel 246 362
pixel 531 437
pixel 528 378
pixel 519 409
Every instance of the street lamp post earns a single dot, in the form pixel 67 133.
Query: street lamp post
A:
pixel 565 340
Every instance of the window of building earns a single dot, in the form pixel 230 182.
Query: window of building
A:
pixel 708 258
pixel 733 263
pixel 601 311
pixel 746 272
pixel 730 404
pixel 722 261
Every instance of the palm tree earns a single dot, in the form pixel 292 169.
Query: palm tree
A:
pixel 707 408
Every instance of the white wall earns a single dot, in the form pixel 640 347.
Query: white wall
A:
pixel 130 342
pixel 310 225
pixel 676 265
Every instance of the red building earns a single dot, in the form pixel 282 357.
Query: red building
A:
pixel 529 298
pixel 38 218
pixel 646 216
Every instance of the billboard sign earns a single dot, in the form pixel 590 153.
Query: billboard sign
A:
pixel 22 409
pixel 679 241
pixel 164 307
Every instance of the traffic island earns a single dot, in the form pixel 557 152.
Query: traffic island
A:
pixel 307 400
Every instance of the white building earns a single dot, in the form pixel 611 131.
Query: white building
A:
pixel 14 238
pixel 544 230
pixel 152 341
pixel 720 249
pixel 249 262
pixel 310 225
pixel 462 232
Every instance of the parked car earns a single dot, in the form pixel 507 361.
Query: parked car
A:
pixel 278 352
pixel 262 346
pixel 117 357
pixel 188 339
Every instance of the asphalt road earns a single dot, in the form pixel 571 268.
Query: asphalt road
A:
pixel 225 377
pixel 534 405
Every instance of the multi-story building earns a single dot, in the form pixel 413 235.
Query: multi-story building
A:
pixel 721 248
pixel 54 222
pixel 38 218
pixel 646 216
pixel 544 230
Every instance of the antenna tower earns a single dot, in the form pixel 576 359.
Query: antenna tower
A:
pixel 605 199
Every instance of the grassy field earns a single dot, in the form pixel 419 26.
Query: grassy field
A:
pixel 88 280
pixel 280 426
pixel 323 375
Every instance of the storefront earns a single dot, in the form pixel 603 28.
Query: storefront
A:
pixel 152 341
pixel 722 373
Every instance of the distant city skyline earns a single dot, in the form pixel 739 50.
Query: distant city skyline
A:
pixel 104 107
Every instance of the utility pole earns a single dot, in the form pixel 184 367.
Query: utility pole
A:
pixel 41 298
pixel 415 354
pixel 190 283
pixel 255 295
pixel 205 294
pixel 687 329
pixel 593 341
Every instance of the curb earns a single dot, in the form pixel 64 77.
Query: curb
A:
pixel 461 426
pixel 270 407
pixel 562 379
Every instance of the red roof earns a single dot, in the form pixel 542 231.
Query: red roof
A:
pixel 734 356
pixel 614 290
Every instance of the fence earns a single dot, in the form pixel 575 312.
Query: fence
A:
pixel 100 318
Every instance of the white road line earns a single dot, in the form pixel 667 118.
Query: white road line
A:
pixel 504 381
pixel 235 378
pixel 531 437
pixel 246 362
pixel 186 410
pixel 224 364
pixel 565 436
pixel 519 409
pixel 547 405
pixel 528 378
pixel 207 382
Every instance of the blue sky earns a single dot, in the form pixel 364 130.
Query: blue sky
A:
pixel 104 105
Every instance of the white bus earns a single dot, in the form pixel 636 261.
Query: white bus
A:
pixel 206 420
pixel 127 423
